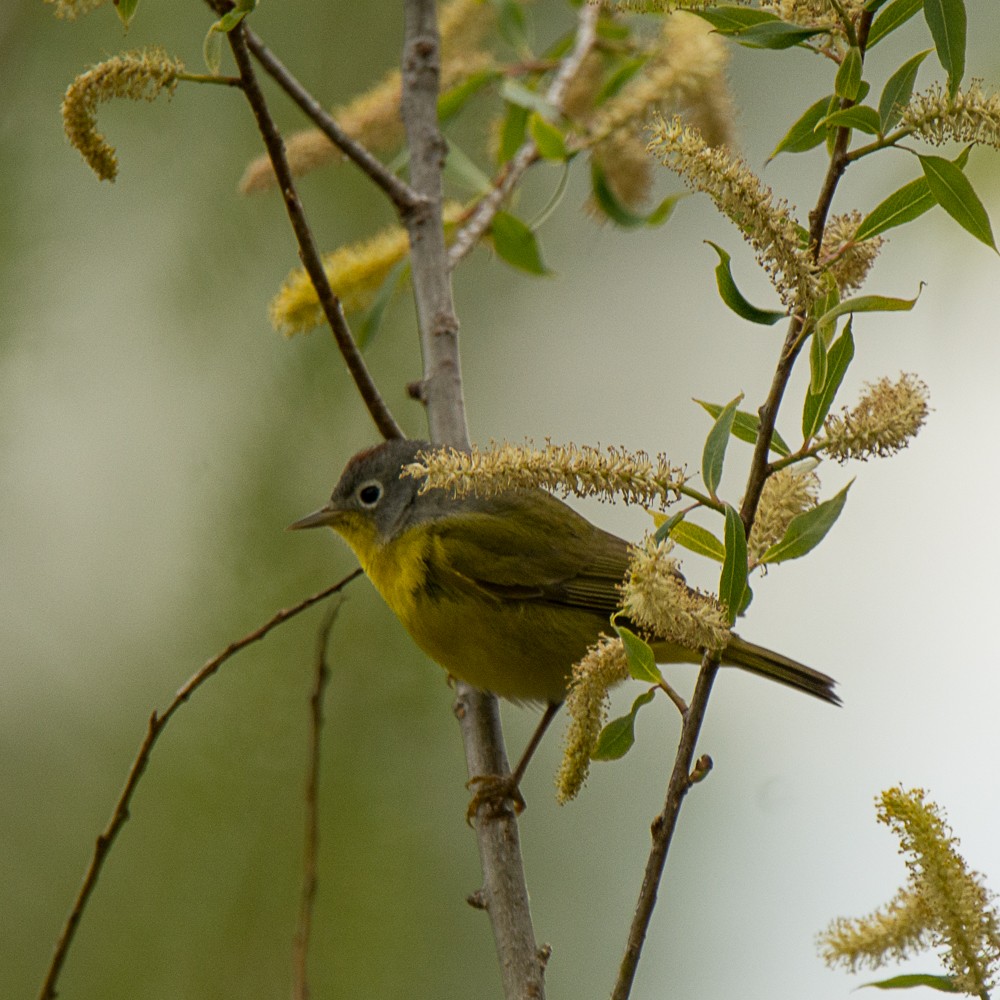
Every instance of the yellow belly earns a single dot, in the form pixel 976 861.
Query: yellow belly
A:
pixel 518 649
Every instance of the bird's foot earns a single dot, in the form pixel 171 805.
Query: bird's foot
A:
pixel 494 793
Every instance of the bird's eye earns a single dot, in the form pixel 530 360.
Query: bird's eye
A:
pixel 370 494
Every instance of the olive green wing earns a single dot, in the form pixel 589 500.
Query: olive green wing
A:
pixel 529 546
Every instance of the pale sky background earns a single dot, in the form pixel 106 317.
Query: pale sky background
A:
pixel 156 437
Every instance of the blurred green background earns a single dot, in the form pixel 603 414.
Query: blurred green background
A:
pixel 156 436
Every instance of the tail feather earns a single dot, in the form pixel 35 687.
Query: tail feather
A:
pixel 765 662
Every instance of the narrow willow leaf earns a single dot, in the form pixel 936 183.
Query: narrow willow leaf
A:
pixel 943 983
pixel 641 661
pixel 735 569
pixel 516 244
pixel 617 212
pixel 860 117
pixel 371 322
pixel 848 80
pixel 733 297
pixel 774 35
pixel 455 98
pixel 804 135
pixel 898 90
pixel 619 78
pixel 665 526
pixel 745 427
pixel 897 13
pixel 714 454
pixel 548 138
pixel 817 362
pixel 461 170
pixel 512 132
pixel 954 193
pixel 817 404
pixel 869 303
pixel 947 22
pixel 873 6
pixel 807 530
pixel 125 9
pixel 618 736
pixel 517 93
pixel 695 538
pixel 729 19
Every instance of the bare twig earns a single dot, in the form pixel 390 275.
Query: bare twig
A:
pixel 663 827
pixel 310 854
pixel 308 252
pixel 400 193
pixel 156 725
pixel 482 217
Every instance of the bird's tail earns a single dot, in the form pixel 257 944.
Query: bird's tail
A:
pixel 767 663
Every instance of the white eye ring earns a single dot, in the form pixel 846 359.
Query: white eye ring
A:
pixel 369 493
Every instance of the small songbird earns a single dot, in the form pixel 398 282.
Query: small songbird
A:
pixel 505 592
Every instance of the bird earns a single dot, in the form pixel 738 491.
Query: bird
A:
pixel 506 592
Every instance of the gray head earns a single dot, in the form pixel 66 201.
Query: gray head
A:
pixel 371 492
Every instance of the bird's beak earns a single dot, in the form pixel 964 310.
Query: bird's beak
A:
pixel 317 519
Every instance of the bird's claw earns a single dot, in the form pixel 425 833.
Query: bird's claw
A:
pixel 495 792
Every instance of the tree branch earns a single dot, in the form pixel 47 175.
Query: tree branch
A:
pixel 157 723
pixel 400 193
pixel 504 894
pixel 482 217
pixel 308 252
pixel 662 830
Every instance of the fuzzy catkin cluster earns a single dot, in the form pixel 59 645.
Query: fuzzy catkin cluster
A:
pixel 765 222
pixel 971 115
pixel 137 75
pixel 582 470
pixel 587 704
pixel 786 494
pixel 656 598
pixel 882 423
pixel 944 905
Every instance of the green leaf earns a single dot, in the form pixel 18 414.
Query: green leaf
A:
pixel 817 361
pixel 455 98
pixel 898 90
pixel 619 78
pixel 641 661
pixel 733 297
pixel 947 22
pixel 695 538
pixel 902 206
pixel 946 984
pixel 774 35
pixel 746 426
pixel 516 244
pixel 954 193
pixel 617 212
pixel 211 50
pixel 512 132
pixel 666 528
pixel 733 581
pixel 618 736
pixel 859 116
pixel 807 530
pixel 817 404
pixel 125 9
pixel 848 79
pixel 514 92
pixel 868 303
pixel 714 454
pixel 461 169
pixel 513 25
pixel 803 135
pixel 548 138
pixel 873 6
pixel 729 18
pixel 897 13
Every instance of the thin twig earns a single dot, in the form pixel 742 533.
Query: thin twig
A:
pixel 308 252
pixel 768 413
pixel 663 827
pixel 156 725
pixel 482 217
pixel 310 854
pixel 400 193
